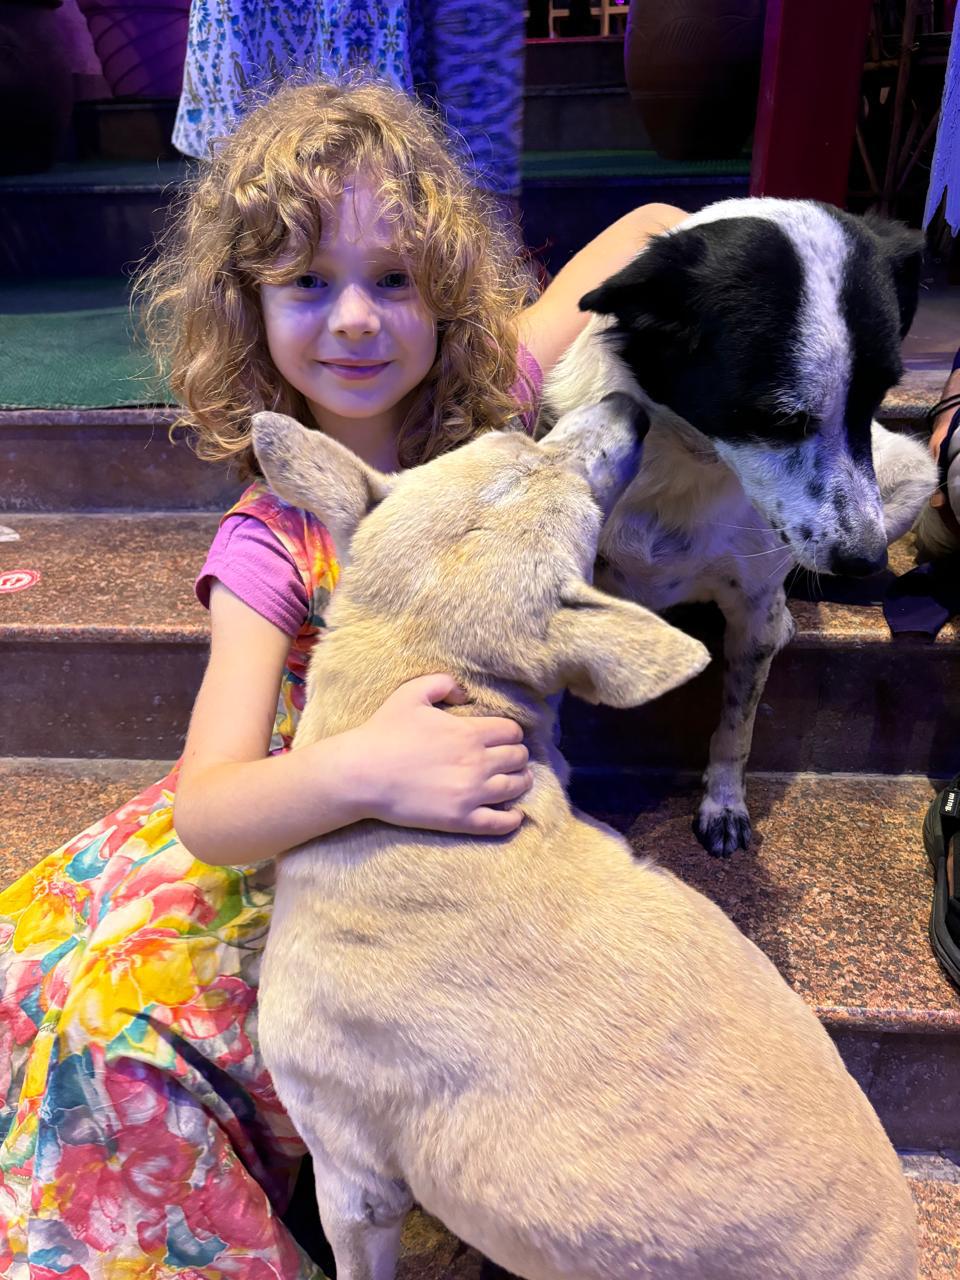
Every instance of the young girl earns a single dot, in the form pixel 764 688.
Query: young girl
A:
pixel 332 262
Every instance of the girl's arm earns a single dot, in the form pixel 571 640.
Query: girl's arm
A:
pixel 410 764
pixel 549 325
pixel 942 421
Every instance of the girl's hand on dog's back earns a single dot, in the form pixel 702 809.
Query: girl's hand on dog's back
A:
pixel 410 764
pixel 417 766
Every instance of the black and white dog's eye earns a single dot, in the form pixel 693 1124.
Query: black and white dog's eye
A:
pixel 800 424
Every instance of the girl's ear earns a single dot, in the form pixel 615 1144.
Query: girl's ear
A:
pixel 615 652
pixel 309 469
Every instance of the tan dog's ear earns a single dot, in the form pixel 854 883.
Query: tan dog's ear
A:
pixel 311 470
pixel 611 651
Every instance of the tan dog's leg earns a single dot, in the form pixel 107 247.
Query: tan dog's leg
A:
pixel 362 1212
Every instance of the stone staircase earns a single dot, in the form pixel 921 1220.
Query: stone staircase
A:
pixel 102 657
pixel 586 155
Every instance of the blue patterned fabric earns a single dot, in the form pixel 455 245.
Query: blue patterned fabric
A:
pixel 464 55
pixel 945 171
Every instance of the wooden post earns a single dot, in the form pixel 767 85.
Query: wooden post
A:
pixel 813 54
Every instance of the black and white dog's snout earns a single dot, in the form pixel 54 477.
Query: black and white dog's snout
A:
pixel 849 564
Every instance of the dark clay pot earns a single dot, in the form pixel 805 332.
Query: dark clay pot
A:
pixel 141 44
pixel 693 69
pixel 36 87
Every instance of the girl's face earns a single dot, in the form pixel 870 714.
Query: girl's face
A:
pixel 352 334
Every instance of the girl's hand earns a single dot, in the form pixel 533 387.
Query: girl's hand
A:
pixel 417 766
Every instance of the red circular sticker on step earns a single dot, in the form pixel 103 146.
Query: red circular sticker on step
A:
pixel 18 579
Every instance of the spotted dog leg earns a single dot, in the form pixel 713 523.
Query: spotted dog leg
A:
pixel 755 632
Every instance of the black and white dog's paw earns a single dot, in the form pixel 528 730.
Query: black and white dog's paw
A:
pixel 722 829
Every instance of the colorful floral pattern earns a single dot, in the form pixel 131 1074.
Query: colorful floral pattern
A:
pixel 140 1134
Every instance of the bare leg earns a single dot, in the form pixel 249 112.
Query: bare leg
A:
pixel 753 636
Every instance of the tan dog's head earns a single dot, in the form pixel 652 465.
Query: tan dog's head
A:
pixel 482 558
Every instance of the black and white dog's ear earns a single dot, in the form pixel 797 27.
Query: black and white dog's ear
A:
pixel 652 291
pixel 903 249
pixel 657 302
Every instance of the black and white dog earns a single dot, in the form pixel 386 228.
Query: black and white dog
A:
pixel 762 335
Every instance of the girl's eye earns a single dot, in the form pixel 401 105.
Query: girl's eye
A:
pixel 308 281
pixel 395 280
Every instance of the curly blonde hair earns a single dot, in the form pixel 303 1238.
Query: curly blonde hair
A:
pixel 254 215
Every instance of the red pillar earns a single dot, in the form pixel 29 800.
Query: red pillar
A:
pixel 813 54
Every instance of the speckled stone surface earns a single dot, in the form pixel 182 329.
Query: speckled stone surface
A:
pixel 45 802
pixel 850 609
pixel 914 395
pixel 110 644
pixel 95 570
pixel 938 1219
pixel 429 1252
pixel 835 888
pixel 106 577
pixel 835 892
pixel 96 459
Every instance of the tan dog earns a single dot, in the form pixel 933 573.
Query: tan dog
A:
pixel 572 1059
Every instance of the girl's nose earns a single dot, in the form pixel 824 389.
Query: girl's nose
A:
pixel 353 314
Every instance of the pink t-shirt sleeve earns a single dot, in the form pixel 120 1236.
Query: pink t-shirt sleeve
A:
pixel 529 385
pixel 249 559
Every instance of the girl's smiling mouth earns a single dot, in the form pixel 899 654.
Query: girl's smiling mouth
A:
pixel 353 370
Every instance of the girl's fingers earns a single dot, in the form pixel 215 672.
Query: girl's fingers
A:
pixel 432 689
pixel 507 759
pixel 496 731
pixel 493 822
pixel 506 786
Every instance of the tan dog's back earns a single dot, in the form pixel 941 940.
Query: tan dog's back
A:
pixel 574 1060
pixel 575 1055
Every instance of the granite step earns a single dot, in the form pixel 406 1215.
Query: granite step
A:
pixel 835 890
pixel 59 460
pixel 103 654
pixel 844 695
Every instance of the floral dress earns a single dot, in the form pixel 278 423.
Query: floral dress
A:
pixel 140 1134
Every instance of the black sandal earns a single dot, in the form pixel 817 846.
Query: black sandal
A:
pixel 940 826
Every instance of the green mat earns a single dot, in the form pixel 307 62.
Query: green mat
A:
pixel 79 356
pixel 68 343
pixel 625 164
